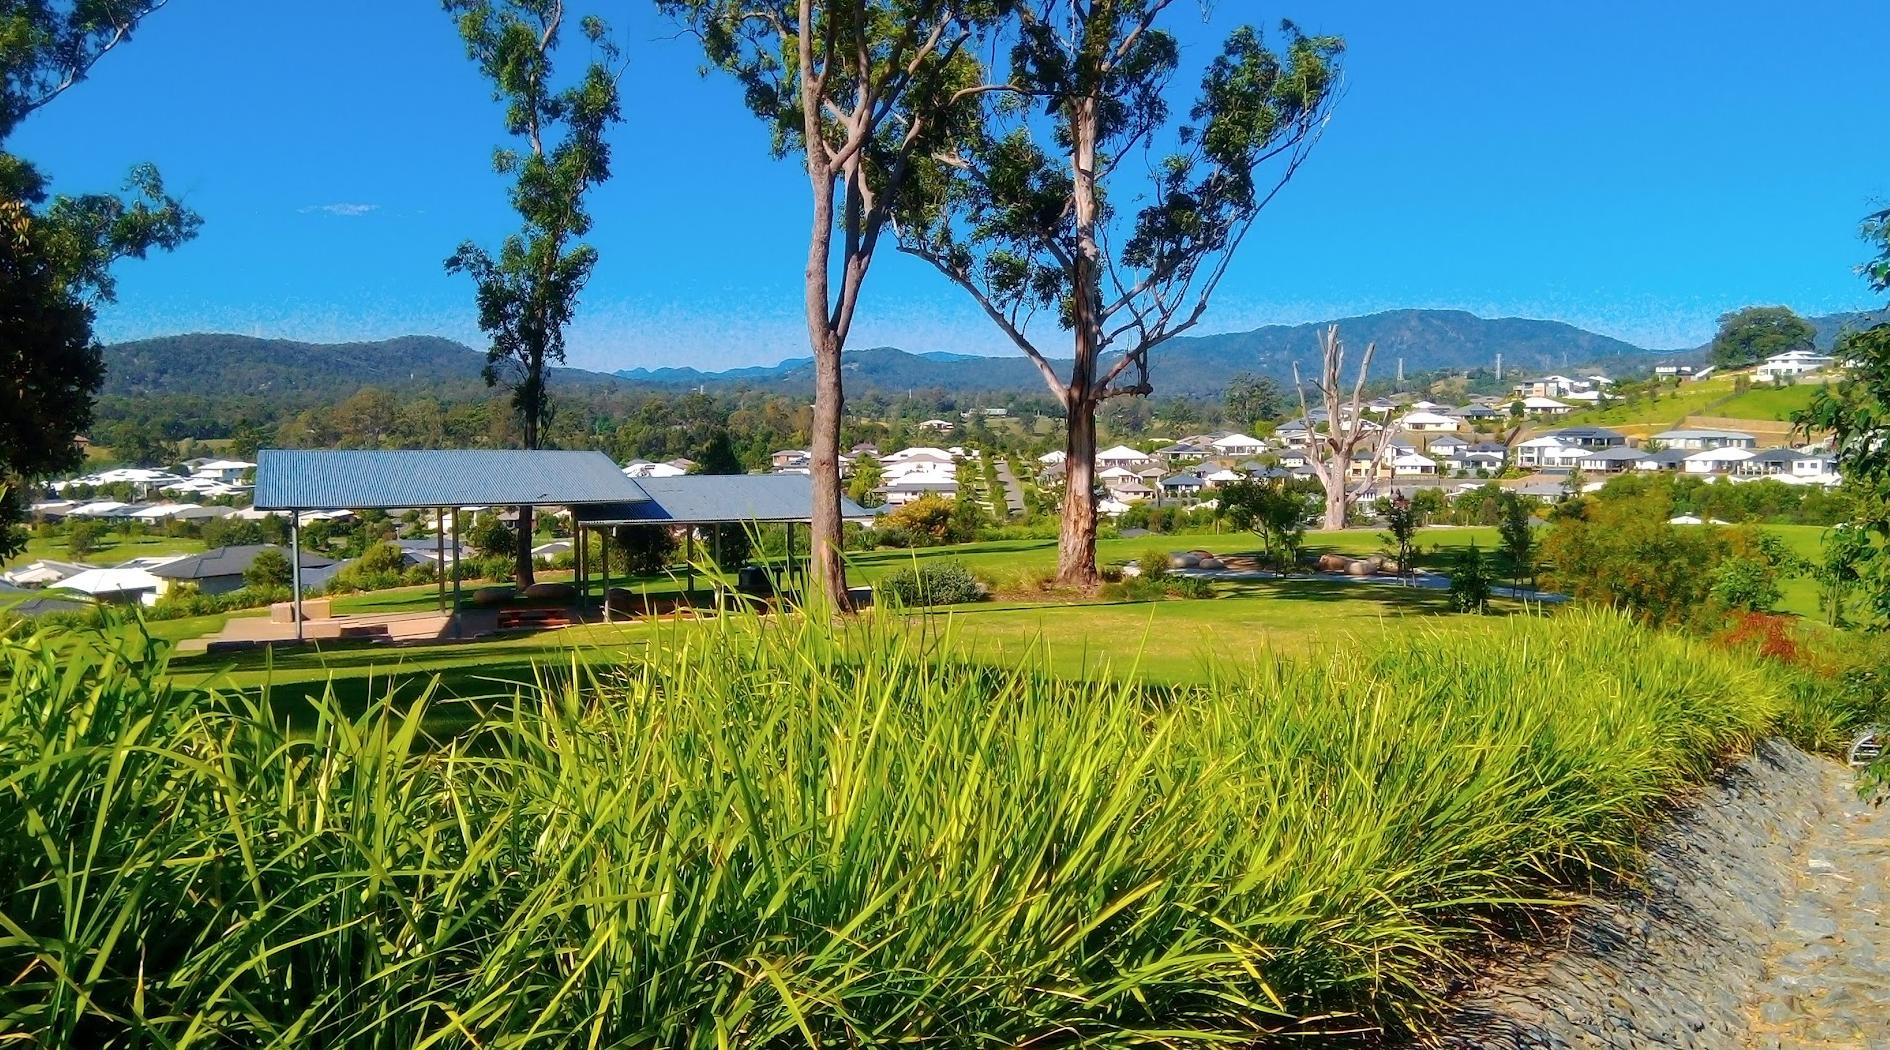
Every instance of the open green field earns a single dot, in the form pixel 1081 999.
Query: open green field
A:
pixel 1173 641
pixel 112 547
pixel 1769 402
pixel 1673 405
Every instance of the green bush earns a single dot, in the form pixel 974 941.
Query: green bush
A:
pixel 791 832
pixel 1153 564
pixel 933 583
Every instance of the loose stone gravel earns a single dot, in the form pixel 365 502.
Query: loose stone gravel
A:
pixel 1759 923
pixel 1827 975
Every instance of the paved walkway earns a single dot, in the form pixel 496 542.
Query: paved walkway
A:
pixel 1827 978
pixel 1013 490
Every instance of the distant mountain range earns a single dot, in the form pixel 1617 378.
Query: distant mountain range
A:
pixel 1426 340
pixel 215 365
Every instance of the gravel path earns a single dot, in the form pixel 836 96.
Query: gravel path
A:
pixel 1827 976
pixel 1761 922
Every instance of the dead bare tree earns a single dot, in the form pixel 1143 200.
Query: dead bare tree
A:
pixel 1331 453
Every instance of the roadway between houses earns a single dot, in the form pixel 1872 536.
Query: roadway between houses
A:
pixel 1013 490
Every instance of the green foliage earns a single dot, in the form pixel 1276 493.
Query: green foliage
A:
pixel 1856 411
pixel 383 558
pixel 1026 216
pixel 1470 582
pixel 925 522
pixel 1153 564
pixel 1274 511
pixel 1745 583
pixel 270 568
pixel 1220 867
pixel 1755 333
pixel 56 252
pixel 648 550
pixel 1516 527
pixel 1624 555
pixel 931 583
pixel 1252 399
pixel 863 487
pixel 82 538
pixel 1402 520
pixel 491 537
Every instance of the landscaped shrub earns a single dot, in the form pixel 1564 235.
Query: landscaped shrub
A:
pixel 1153 564
pixel 787 832
pixel 931 583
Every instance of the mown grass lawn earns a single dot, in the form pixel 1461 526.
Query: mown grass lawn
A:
pixel 1769 402
pixel 1169 641
pixel 112 547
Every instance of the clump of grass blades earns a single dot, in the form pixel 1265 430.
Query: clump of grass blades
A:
pixel 782 833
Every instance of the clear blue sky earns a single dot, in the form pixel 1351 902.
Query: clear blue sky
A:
pixel 1635 168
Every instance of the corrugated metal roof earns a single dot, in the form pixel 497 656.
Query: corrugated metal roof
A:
pixel 700 499
pixel 346 479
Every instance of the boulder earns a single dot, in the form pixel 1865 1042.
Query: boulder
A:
pixel 1185 561
pixel 488 596
pixel 551 592
pixel 1360 568
pixel 1333 562
pixel 1210 563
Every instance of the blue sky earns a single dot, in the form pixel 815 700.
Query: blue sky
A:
pixel 1633 168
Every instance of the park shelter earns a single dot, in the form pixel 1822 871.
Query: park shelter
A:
pixel 591 486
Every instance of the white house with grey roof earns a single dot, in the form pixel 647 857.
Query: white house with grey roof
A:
pixel 1698 440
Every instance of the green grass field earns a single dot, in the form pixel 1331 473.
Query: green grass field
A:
pixel 113 547
pixel 1170 641
pixel 1768 402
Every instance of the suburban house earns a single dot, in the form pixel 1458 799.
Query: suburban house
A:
pixel 1411 465
pixel 128 583
pixel 1589 437
pixel 1677 371
pixel 1238 445
pixel 1546 406
pixel 1183 452
pixel 790 461
pixel 44 573
pixel 221 570
pixel 224 470
pixel 1477 413
pixel 1121 456
pixel 643 468
pixel 1611 460
pixel 1792 364
pixel 1426 422
pixel 937 426
pixel 907 489
pixel 1699 440
pixel 1720 460
pixel 1182 486
pixel 1771 461
pixel 1673 459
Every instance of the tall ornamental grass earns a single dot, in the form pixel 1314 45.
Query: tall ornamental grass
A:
pixel 779 834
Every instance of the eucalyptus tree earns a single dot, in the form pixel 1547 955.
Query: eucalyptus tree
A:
pixel 1079 196
pixel 862 91
pixel 1329 451
pixel 57 250
pixel 528 292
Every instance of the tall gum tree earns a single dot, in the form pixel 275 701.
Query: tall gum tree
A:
pixel 1077 195
pixel 527 294
pixel 861 90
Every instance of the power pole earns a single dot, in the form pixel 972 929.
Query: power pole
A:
pixel 1499 368
pixel 1401 372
